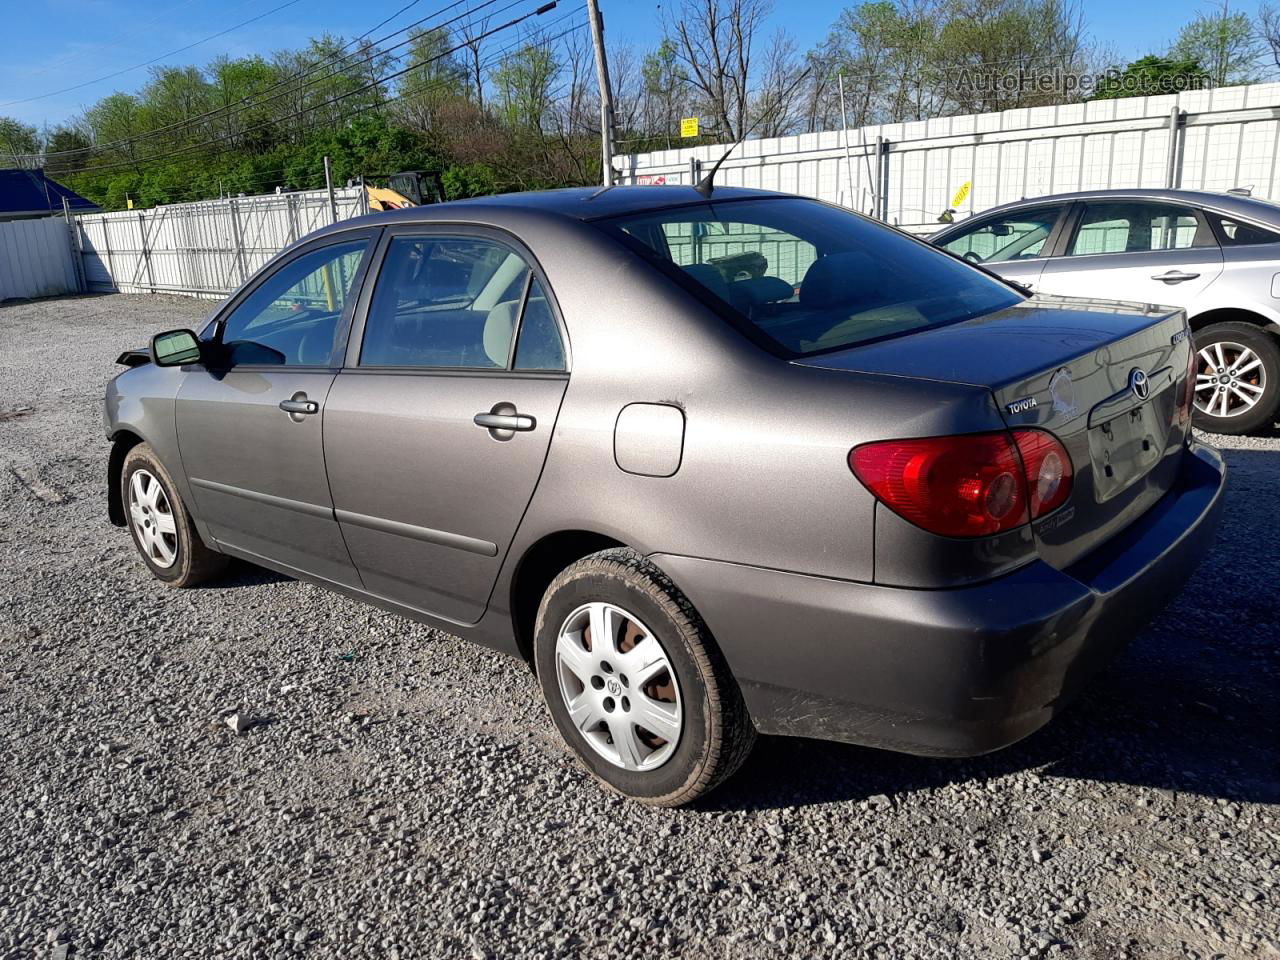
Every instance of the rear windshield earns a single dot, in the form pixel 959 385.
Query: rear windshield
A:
pixel 812 277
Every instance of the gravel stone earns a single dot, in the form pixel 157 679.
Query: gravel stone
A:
pixel 409 796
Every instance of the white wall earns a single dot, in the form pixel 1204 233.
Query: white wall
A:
pixel 1229 139
pixel 203 249
pixel 35 258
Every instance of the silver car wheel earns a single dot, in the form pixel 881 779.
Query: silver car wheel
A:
pixel 152 519
pixel 618 686
pixel 1230 379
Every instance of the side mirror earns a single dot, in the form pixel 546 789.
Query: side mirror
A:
pixel 175 348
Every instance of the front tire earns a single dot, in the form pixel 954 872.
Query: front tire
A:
pixel 1237 378
pixel 635 683
pixel 160 525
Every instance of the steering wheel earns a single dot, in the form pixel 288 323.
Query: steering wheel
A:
pixel 972 256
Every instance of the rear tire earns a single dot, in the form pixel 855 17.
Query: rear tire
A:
pixel 160 525
pixel 1252 369
pixel 677 676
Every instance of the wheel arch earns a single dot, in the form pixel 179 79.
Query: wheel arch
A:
pixel 1233 314
pixel 538 566
pixel 122 441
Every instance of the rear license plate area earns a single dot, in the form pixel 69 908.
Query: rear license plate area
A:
pixel 1123 450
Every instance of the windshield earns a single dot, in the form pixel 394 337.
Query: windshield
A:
pixel 812 277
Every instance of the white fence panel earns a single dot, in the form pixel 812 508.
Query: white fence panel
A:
pixel 1228 137
pixel 204 249
pixel 35 258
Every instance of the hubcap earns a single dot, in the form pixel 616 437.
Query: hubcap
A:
pixel 152 519
pixel 1230 379
pixel 618 686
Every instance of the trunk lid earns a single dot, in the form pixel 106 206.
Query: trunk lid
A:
pixel 1067 366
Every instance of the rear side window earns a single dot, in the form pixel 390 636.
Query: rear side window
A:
pixel 1019 236
pixel 1237 233
pixel 810 277
pixel 1138 227
pixel 457 302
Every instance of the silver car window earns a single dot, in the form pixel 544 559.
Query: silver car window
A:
pixel 1134 226
pixel 1015 236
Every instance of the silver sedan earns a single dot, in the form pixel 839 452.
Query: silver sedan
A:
pixel 1215 255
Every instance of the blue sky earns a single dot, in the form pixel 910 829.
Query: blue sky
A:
pixel 58 43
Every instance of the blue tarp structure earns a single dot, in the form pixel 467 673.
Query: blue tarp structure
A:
pixel 29 193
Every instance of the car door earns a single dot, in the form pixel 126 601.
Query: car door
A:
pixel 1149 251
pixel 437 428
pixel 1015 244
pixel 250 423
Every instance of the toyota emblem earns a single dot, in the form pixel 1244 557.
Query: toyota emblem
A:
pixel 1139 384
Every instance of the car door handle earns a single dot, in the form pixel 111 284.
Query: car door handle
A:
pixel 299 406
pixel 504 421
pixel 1174 276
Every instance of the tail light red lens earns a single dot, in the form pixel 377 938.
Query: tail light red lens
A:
pixel 1186 402
pixel 973 485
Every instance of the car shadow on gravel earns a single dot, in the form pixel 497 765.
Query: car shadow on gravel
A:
pixel 243 574
pixel 1187 707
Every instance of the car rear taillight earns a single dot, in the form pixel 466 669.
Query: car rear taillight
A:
pixel 1186 401
pixel 973 485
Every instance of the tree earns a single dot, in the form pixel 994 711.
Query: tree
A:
pixel 1001 54
pixel 434 79
pixel 67 149
pixel 1151 76
pixel 1224 43
pixel 715 44
pixel 19 143
pixel 662 81
pixel 522 83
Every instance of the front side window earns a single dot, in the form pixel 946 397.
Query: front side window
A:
pixel 1137 227
pixel 811 277
pixel 457 302
pixel 291 319
pixel 1019 236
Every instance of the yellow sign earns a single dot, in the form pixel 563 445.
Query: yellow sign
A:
pixel 689 127
pixel 129 200
pixel 960 195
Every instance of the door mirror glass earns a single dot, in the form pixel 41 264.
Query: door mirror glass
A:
pixel 175 348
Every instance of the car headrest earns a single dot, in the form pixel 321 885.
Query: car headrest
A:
pixel 840 278
pixel 709 277
pixel 498 328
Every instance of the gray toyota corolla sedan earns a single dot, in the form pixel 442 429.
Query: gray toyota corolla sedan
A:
pixel 752 463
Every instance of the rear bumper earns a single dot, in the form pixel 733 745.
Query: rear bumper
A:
pixel 948 672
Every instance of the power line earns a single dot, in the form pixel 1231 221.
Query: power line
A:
pixel 263 177
pixel 147 63
pixel 233 110
pixel 332 100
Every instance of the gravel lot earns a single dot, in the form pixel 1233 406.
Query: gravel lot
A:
pixel 405 795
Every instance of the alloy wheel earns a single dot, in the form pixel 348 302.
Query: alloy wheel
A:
pixel 618 686
pixel 152 519
pixel 1230 379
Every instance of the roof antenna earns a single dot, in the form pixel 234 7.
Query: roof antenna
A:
pixel 707 184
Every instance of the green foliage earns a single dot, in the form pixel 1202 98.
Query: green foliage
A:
pixel 1152 76
pixel 16 139
pixel 1224 43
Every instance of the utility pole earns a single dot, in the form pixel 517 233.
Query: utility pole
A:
pixel 606 90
